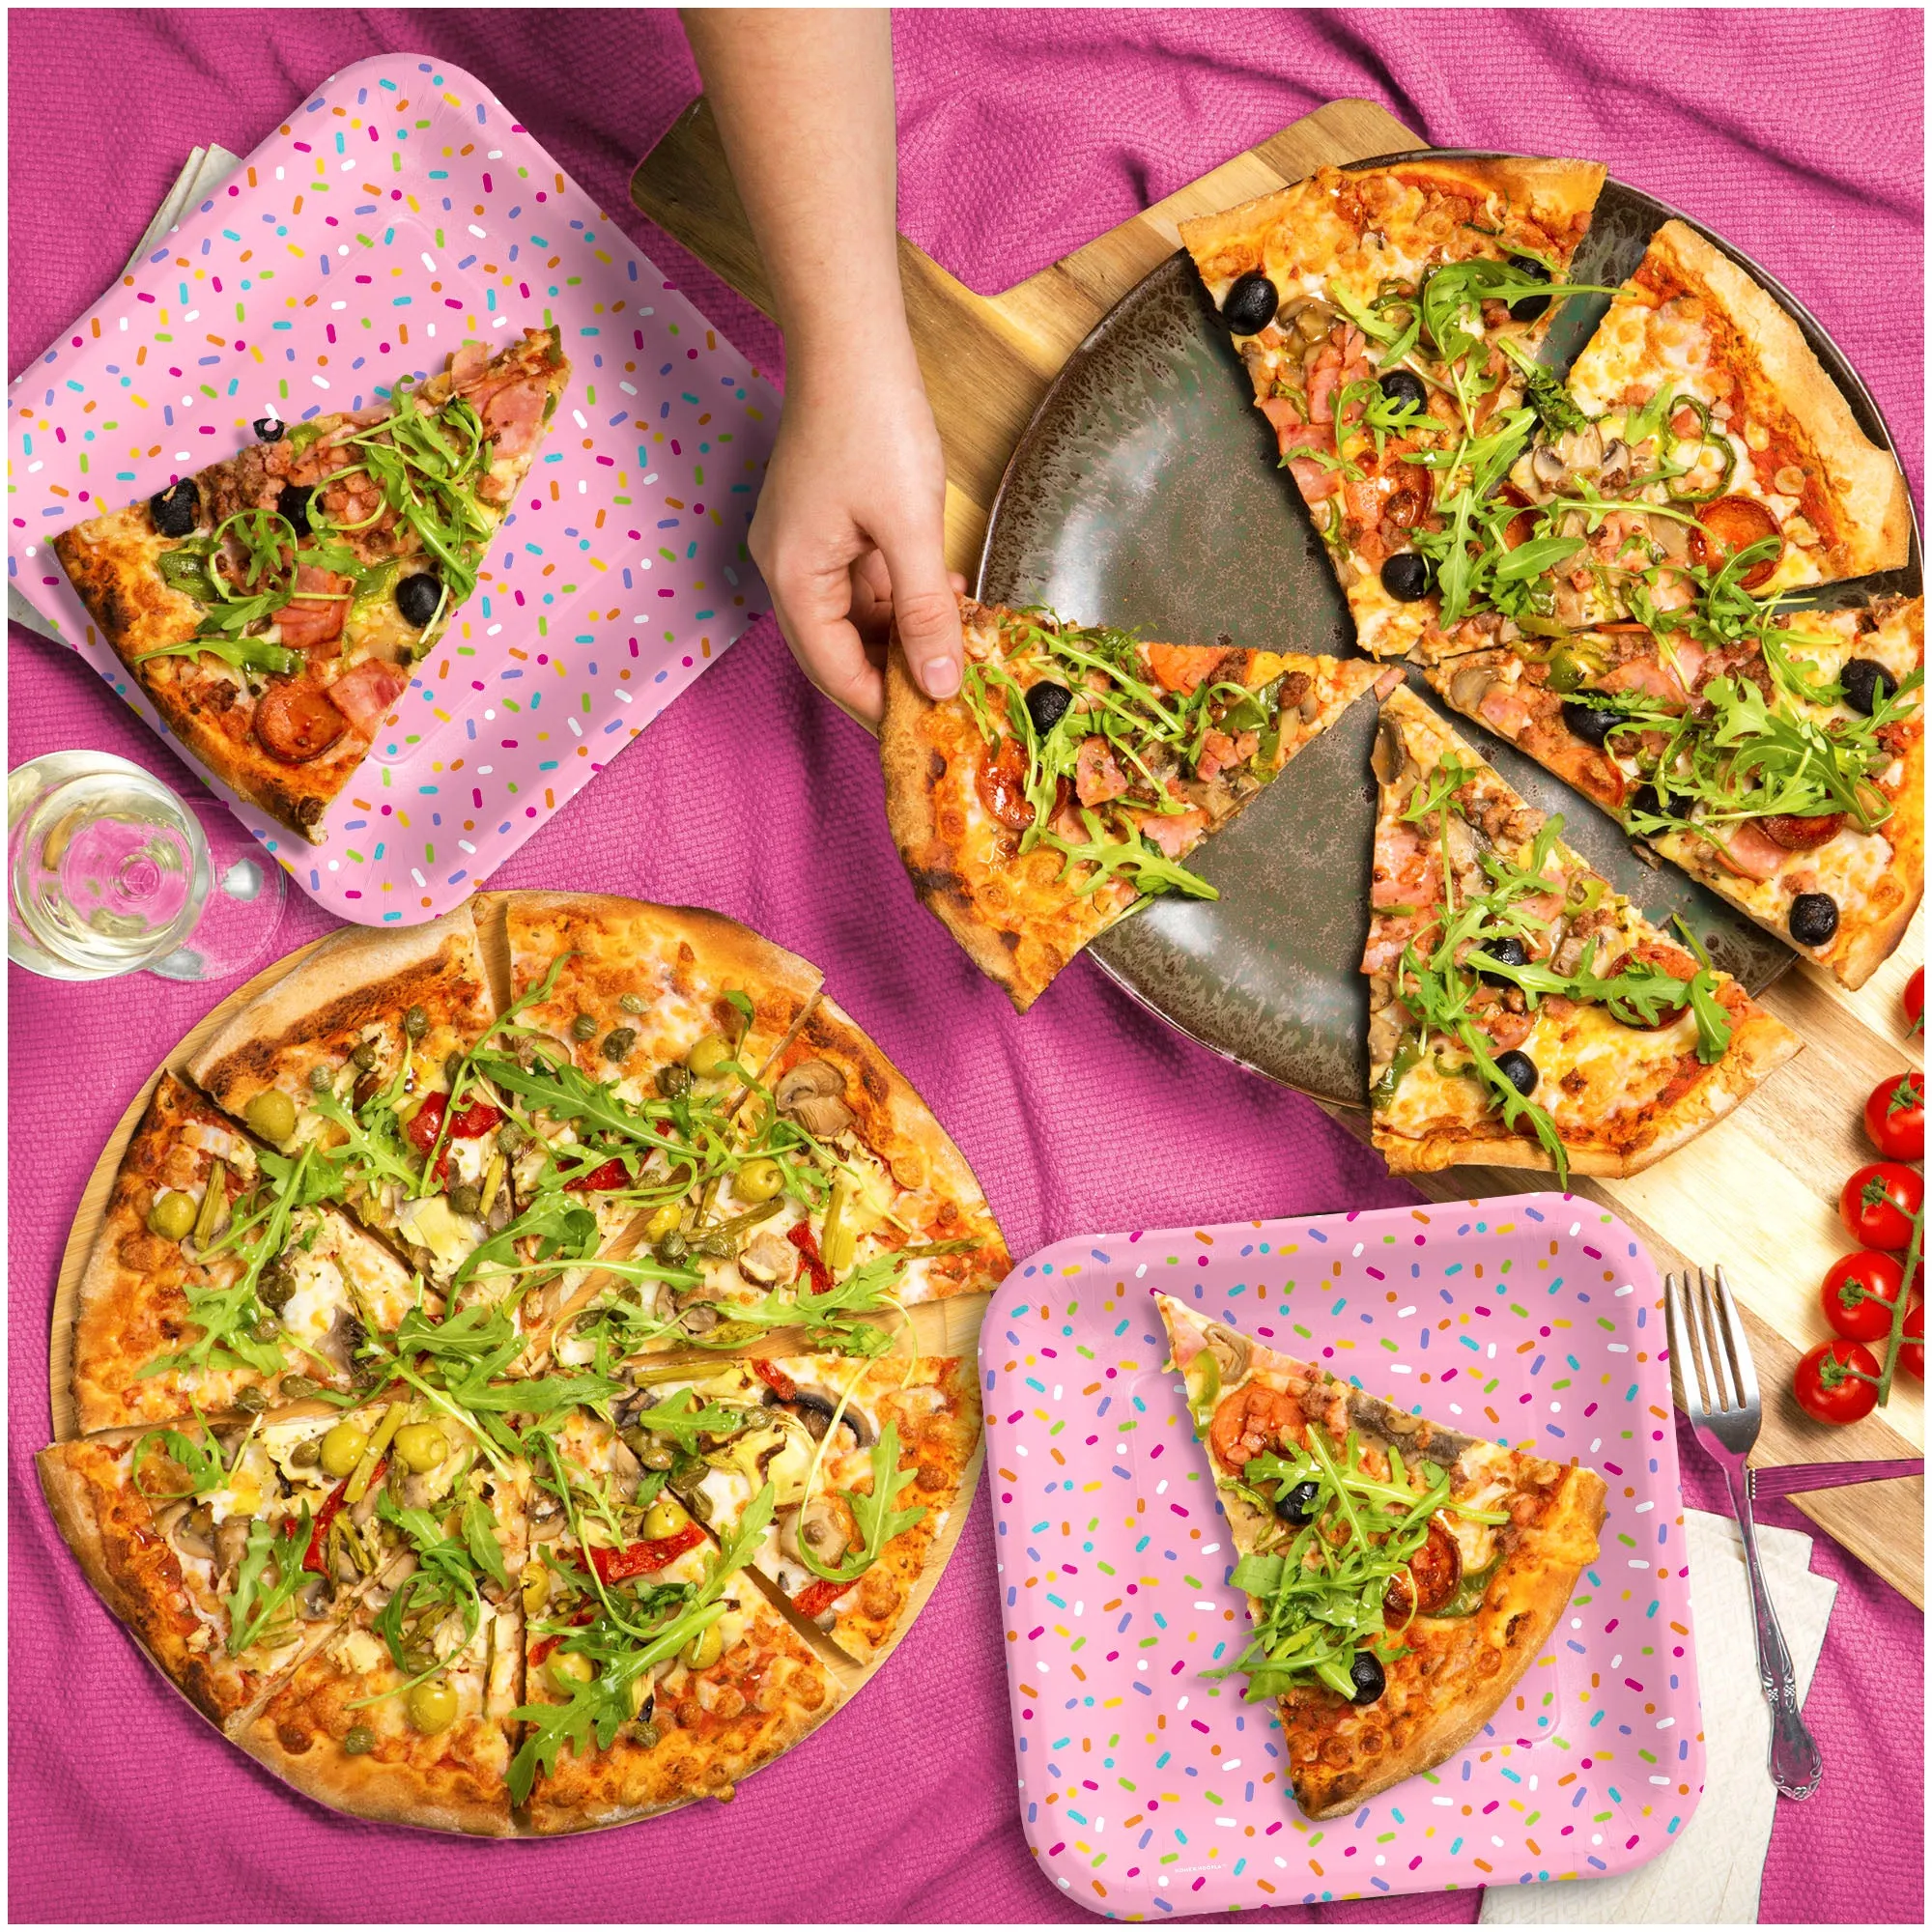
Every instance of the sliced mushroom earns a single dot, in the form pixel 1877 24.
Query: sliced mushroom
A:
pixel 823 1116
pixel 231 1545
pixel 768 1259
pixel 1231 1351
pixel 345 1334
pixel 816 1407
pixel 315 1600
pixel 1390 754
pixel 699 1318
pixel 626 1471
pixel 1615 469
pixel 1580 450
pixel 809 1076
pixel 189 1528
pixel 1467 687
pixel 547 1518
pixel 1547 468
pixel 818 1525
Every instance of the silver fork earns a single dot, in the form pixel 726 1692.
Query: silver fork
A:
pixel 1707 1339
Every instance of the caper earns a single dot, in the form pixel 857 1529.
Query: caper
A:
pixel 172 1216
pixel 759 1180
pixel 359 1742
pixel 535 1580
pixel 465 1199
pixel 674 1080
pixel 664 1518
pixel 646 1734
pixel 298 1388
pixel 568 1668
pixel 631 1002
pixel 276 1287
pixel 452 1065
pixel 421 1446
pixel 657 1452
pixel 582 1027
pixel 342 1449
pixel 705 1649
pixel 709 1054
pixel 672 1249
pixel 431 1707
pixel 718 1247
pixel 618 1042
pixel 364 1056
pixel 415 1022
pixel 271 1113
pixel 250 1401
pixel 304 1455
pixel 266 1329
pixel 320 1080
pixel 510 1137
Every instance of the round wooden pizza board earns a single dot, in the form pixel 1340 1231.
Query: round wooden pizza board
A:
pixel 940 1327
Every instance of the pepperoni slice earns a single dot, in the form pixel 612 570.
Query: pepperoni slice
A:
pixel 1730 525
pixel 1802 834
pixel 1001 780
pixel 296 722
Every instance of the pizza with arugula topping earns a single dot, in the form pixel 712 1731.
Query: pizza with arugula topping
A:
pixel 502 1400
pixel 1520 1011
pixel 1400 1576
pixel 271 605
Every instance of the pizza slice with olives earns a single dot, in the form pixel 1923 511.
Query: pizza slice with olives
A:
pixel 1779 759
pixel 657 1673
pixel 1520 1012
pixel 269 606
pixel 865 1460
pixel 216 1284
pixel 1076 772
pixel 1388 320
pixel 210 1544
pixel 403 1712
pixel 1400 1576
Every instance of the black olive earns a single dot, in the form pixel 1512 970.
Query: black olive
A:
pixel 1530 307
pixel 1591 722
pixel 1401 387
pixel 1297 1503
pixel 1250 304
pixel 1365 1672
pixel 292 504
pixel 417 598
pixel 1648 799
pixel 1814 917
pixel 269 429
pixel 1407 575
pixel 1046 704
pixel 1867 685
pixel 1508 950
pixel 177 509
pixel 1519 1070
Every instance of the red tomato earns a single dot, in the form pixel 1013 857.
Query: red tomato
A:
pixel 600 1180
pixel 1878 1204
pixel 1828 1389
pixel 1912 1347
pixel 1859 1292
pixel 1915 1001
pixel 1895 1117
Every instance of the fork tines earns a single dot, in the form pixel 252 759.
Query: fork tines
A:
pixel 1713 1353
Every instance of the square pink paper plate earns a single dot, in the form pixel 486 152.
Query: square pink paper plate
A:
pixel 398 212
pixel 1147 1788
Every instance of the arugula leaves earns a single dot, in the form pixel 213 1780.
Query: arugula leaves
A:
pixel 874 1511
pixel 257 1604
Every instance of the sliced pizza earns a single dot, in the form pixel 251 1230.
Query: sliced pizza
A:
pixel 269 606
pixel 1076 770
pixel 1521 1013
pixel 1400 1576
pixel 1782 765
pixel 1388 318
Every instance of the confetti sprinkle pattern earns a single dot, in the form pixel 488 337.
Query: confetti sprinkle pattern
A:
pixel 1148 1789
pixel 398 212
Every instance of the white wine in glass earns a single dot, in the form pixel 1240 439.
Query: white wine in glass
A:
pixel 109 871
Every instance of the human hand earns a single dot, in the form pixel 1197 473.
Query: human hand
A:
pixel 850 526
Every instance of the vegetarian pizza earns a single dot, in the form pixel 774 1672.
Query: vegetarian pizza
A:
pixel 271 605
pixel 1400 1576
pixel 500 1411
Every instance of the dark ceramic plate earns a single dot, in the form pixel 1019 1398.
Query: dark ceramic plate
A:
pixel 1145 493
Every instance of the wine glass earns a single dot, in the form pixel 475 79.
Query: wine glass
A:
pixel 109 873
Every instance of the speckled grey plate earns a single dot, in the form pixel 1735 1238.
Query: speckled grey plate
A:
pixel 1144 493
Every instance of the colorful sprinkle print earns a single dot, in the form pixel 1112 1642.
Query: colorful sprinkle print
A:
pixel 398 212
pixel 1147 1788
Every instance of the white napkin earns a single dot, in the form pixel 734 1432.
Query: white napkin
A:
pixel 206 170
pixel 1710 1873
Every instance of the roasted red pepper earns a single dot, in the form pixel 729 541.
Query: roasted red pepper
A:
pixel 775 1379
pixel 544 1645
pixel 319 1535
pixel 473 1124
pixel 815 1599
pixel 612 1174
pixel 615 1566
pixel 807 1243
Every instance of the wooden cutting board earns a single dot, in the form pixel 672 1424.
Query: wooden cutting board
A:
pixel 1759 1192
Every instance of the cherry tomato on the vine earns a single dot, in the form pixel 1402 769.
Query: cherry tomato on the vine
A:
pixel 1825 1387
pixel 1859 1292
pixel 1878 1203
pixel 1895 1117
pixel 1915 1001
pixel 1912 1344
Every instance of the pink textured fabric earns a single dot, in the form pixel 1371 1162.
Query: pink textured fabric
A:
pixel 1023 135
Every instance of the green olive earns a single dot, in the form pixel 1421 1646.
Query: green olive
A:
pixel 271 1113
pixel 710 1054
pixel 568 1668
pixel 431 1707
pixel 465 1199
pixel 664 1518
pixel 583 1027
pixel 342 1449
pixel 631 1002
pixel 674 1080
pixel 359 1742
pixel 421 1445
pixel 535 1580
pixel 662 1221
pixel 705 1649
pixel 759 1180
pixel 618 1042
pixel 172 1216
pixel 415 1022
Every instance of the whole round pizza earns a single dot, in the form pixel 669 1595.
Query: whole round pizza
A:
pixel 499 1407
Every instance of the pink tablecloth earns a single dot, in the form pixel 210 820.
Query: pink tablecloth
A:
pixel 1798 134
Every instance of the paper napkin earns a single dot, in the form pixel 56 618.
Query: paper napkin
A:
pixel 1711 1871
pixel 206 170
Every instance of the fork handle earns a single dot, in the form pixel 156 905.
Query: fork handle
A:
pixel 1795 1763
